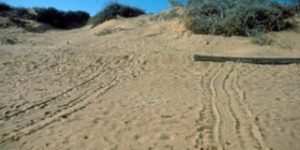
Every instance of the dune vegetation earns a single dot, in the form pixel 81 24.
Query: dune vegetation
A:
pixel 113 10
pixel 251 18
pixel 237 17
pixel 4 7
pixel 50 16
pixel 61 19
pixel 219 17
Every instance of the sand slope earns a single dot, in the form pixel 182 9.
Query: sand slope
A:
pixel 132 84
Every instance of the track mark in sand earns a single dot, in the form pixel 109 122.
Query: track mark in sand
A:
pixel 58 98
pixel 209 120
pixel 216 111
pixel 37 116
pixel 232 124
pixel 226 127
pixel 48 101
pixel 204 121
pixel 223 121
pixel 34 118
pixel 252 133
pixel 86 100
pixel 235 114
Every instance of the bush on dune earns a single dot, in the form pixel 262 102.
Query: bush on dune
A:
pixel 61 19
pixel 13 12
pixel 236 17
pixel 113 10
pixel 4 7
pixel 50 16
pixel 22 13
pixel 297 5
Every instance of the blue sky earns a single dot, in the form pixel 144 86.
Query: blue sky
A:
pixel 91 6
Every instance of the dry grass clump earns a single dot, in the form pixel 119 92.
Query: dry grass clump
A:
pixel 236 17
pixel 113 10
pixel 261 39
pixel 176 3
pixel 168 15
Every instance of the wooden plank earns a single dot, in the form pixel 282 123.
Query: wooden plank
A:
pixel 251 60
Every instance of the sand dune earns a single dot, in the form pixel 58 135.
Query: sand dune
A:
pixel 133 84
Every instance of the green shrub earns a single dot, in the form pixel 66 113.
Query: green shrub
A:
pixel 236 17
pixel 61 19
pixel 113 10
pixel 4 7
pixel 14 12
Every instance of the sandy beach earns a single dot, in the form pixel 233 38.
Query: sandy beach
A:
pixel 137 87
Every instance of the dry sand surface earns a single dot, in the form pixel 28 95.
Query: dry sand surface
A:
pixel 132 84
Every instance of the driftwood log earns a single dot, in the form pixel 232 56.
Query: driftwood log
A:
pixel 251 60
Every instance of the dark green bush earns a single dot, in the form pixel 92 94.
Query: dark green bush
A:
pixel 12 12
pixel 51 16
pixel 236 17
pixel 61 19
pixel 4 7
pixel 113 10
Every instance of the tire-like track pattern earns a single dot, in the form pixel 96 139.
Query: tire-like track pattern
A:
pixel 225 120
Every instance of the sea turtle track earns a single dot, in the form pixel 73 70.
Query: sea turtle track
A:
pixel 225 117
pixel 254 136
pixel 208 121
